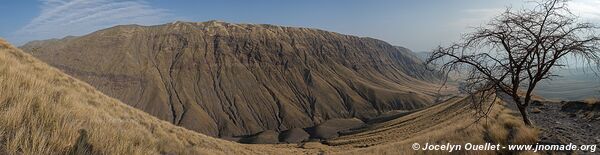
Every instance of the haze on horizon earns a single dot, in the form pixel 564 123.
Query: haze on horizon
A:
pixel 418 25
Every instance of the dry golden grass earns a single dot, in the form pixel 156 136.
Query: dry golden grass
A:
pixel 450 122
pixel 592 100
pixel 42 111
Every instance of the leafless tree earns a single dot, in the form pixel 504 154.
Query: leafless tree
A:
pixel 518 49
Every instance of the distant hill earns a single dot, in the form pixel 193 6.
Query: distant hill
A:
pixel 571 84
pixel 423 55
pixel 224 79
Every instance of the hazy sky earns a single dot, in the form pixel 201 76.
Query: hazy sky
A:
pixel 417 24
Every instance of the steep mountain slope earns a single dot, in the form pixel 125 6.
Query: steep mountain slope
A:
pixel 226 79
pixel 44 111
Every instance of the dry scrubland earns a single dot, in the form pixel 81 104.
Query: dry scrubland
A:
pixel 448 122
pixel 43 110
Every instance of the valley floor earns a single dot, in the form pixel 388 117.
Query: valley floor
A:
pixel 452 122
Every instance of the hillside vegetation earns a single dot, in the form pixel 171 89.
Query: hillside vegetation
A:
pixel 452 121
pixel 44 111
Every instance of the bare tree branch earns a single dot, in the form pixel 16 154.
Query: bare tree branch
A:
pixel 518 49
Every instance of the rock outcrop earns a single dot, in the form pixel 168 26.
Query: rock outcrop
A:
pixel 225 79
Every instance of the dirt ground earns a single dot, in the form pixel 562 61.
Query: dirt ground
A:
pixel 560 127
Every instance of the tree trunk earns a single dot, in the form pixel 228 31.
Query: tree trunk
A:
pixel 523 111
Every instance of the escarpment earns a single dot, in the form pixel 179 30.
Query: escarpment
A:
pixel 225 79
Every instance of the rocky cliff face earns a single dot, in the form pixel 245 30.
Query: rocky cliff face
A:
pixel 225 79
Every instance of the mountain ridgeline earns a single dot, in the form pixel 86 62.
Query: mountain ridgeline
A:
pixel 225 79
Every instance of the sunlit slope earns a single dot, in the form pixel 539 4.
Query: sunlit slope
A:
pixel 452 121
pixel 43 111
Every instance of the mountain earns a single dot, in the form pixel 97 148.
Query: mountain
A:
pixel 44 111
pixel 423 55
pixel 225 79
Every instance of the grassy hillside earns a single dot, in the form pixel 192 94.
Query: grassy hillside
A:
pixel 43 111
pixel 449 122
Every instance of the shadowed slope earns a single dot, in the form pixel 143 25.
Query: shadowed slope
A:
pixel 226 79
pixel 42 111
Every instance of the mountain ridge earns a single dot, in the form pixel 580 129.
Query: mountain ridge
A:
pixel 225 79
